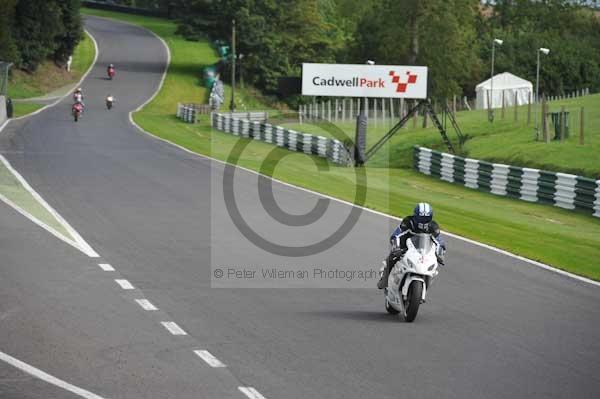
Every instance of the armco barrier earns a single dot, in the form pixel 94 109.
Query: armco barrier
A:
pixel 558 189
pixel 331 149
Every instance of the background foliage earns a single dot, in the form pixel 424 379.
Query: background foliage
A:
pixel 452 37
pixel 32 31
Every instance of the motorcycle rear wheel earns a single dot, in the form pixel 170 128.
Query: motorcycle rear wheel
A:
pixel 415 293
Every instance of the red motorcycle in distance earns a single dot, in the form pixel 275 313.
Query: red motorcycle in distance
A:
pixel 111 72
pixel 77 111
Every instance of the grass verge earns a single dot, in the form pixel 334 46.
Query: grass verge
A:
pixel 49 77
pixel 22 109
pixel 13 190
pixel 505 141
pixel 568 240
pixel 23 85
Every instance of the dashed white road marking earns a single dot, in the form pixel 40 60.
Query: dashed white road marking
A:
pixel 106 267
pixel 209 358
pixel 47 377
pixel 173 328
pixel 125 284
pixel 146 304
pixel 252 393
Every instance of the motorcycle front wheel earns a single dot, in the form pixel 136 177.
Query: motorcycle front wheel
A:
pixel 413 300
pixel 389 308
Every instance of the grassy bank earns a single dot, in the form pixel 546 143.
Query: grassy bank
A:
pixel 22 109
pixel 565 239
pixel 505 140
pixel 49 77
pixel 23 85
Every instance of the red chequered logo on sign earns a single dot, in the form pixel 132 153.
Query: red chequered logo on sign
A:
pixel 401 86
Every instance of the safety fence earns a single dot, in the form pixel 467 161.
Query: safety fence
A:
pixel 332 149
pixel 534 185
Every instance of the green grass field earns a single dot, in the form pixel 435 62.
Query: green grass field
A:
pixel 13 190
pixel 49 77
pixel 22 109
pixel 504 141
pixel 565 239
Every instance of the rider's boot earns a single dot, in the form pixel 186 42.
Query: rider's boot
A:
pixel 383 281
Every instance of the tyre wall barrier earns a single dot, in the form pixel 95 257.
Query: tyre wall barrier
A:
pixel 332 149
pixel 533 185
pixel 187 113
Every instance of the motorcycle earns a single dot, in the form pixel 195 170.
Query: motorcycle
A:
pixel 411 277
pixel 111 73
pixel 109 102
pixel 77 110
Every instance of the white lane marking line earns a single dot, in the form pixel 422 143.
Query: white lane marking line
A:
pixel 60 98
pixel 125 284
pixel 173 328
pixel 80 242
pixel 106 267
pixel 477 243
pixel 209 358
pixel 251 392
pixel 47 377
pixel 489 247
pixel 146 304
pixel 39 222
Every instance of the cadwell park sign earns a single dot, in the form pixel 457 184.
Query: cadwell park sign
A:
pixel 358 80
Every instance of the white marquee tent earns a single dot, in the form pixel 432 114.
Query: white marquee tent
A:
pixel 506 83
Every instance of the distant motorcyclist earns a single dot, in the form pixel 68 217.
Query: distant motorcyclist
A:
pixel 421 221
pixel 78 95
pixel 110 71
pixel 109 102
pixel 77 109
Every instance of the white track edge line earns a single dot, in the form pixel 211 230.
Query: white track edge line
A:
pixel 35 220
pixel 173 328
pixel 251 392
pixel 209 358
pixel 107 267
pixel 146 304
pixel 124 284
pixel 60 98
pixel 82 245
pixel 477 243
pixel 47 377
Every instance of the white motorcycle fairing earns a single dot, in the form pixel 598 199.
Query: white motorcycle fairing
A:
pixel 419 264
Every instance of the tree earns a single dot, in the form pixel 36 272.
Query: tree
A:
pixel 439 34
pixel 71 32
pixel 37 24
pixel 8 48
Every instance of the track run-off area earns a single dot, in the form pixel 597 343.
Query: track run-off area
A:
pixel 145 318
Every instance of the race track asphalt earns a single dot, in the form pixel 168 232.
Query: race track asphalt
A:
pixel 493 326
